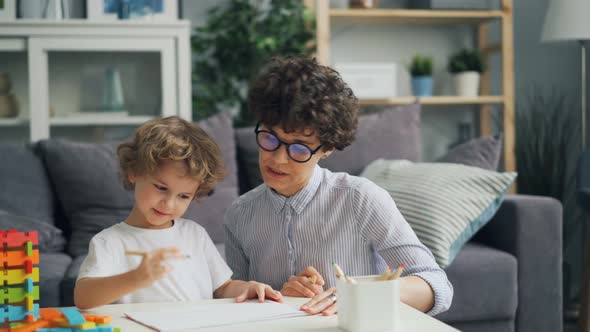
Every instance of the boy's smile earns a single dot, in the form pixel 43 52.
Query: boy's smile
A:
pixel 162 197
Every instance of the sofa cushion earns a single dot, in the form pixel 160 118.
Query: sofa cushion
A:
pixel 86 180
pixel 485 282
pixel 248 171
pixel 393 134
pixel 210 210
pixel 26 190
pixel 52 267
pixel 51 238
pixel 483 152
pixel 69 281
pixel 446 204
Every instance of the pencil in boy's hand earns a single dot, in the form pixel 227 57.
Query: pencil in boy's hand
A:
pixel 397 273
pixel 143 253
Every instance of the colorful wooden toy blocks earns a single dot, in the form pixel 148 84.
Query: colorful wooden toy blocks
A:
pixel 19 289
pixel 19 276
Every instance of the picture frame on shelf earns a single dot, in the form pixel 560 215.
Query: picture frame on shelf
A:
pixel 144 10
pixel 7 10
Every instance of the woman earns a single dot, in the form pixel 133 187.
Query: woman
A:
pixel 305 217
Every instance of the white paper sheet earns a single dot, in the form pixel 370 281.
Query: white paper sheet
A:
pixel 209 315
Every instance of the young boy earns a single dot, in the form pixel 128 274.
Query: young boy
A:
pixel 154 255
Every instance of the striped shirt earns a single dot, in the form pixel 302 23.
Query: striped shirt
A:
pixel 336 217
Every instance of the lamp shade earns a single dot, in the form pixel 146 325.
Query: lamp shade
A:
pixel 567 20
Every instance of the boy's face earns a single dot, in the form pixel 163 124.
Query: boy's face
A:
pixel 283 174
pixel 162 197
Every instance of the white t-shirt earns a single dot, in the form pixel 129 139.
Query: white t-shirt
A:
pixel 192 278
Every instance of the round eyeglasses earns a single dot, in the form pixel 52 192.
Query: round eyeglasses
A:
pixel 268 141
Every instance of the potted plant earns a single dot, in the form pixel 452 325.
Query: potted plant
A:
pixel 421 71
pixel 238 38
pixel 466 67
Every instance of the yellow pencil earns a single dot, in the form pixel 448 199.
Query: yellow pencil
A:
pixel 313 279
pixel 143 253
pixel 397 273
pixel 385 275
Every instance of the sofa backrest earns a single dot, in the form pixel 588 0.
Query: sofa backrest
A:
pixel 26 189
pixel 27 202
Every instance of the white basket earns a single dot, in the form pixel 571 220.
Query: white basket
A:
pixel 369 306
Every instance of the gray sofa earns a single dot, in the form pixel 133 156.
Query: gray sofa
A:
pixel 507 278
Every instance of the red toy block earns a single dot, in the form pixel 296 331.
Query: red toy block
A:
pixel 14 238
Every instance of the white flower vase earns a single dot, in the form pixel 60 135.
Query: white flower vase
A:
pixel 467 84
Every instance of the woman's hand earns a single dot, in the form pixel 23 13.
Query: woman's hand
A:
pixel 259 290
pixel 324 303
pixel 303 285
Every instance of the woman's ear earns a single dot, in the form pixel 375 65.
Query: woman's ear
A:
pixel 327 153
pixel 131 178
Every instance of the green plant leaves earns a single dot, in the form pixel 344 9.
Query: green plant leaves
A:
pixel 466 60
pixel 421 66
pixel 234 44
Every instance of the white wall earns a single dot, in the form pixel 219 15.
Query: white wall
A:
pixel 388 43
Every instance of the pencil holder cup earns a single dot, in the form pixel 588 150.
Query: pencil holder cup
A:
pixel 370 305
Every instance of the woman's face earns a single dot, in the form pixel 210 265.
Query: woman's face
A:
pixel 283 174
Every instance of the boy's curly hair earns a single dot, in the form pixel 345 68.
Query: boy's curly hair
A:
pixel 297 93
pixel 172 139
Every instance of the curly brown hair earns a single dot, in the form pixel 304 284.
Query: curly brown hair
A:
pixel 297 93
pixel 172 139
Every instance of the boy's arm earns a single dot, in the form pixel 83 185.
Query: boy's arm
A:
pixel 94 292
pixel 244 290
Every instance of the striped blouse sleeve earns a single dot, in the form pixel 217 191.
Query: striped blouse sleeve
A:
pixel 383 226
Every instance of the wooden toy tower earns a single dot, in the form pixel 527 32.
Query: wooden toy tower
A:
pixel 20 277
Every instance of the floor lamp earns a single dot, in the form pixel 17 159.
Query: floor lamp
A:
pixel 568 20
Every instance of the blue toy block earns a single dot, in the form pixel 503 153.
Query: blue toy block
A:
pixel 73 316
pixel 104 328
pixel 54 329
pixel 13 313
pixel 29 285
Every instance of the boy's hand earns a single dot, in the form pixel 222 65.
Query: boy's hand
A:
pixel 302 285
pixel 153 265
pixel 259 290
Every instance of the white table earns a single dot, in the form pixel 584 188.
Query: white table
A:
pixel 411 319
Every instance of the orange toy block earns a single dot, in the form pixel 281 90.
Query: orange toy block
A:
pixel 14 238
pixel 18 258
pixel 18 276
pixel 50 313
pixel 98 319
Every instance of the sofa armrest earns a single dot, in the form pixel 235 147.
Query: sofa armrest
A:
pixel 530 228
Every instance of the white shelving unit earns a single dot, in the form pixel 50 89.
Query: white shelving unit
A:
pixel 480 19
pixel 171 40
